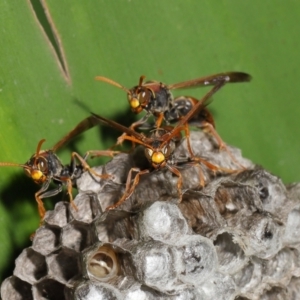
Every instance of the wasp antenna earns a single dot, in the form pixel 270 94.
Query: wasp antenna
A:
pixel 107 80
pixel 141 80
pixel 38 149
pixel 8 164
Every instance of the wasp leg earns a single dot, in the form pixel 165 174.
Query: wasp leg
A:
pixel 69 189
pixel 133 126
pixel 212 167
pixel 38 198
pixel 43 193
pixel 201 175
pixel 198 162
pixel 209 128
pixel 97 153
pixel 129 189
pixel 188 142
pixel 179 182
pixel 84 164
pixel 159 120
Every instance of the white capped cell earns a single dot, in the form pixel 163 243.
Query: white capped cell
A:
pixel 163 221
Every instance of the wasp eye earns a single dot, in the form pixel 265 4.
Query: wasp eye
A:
pixel 42 164
pixel 166 151
pixel 148 154
pixel 144 97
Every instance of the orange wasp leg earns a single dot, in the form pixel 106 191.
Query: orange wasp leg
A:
pixel 87 167
pixel 43 193
pixel 130 138
pixel 121 138
pixel 179 182
pixel 213 167
pixel 197 161
pixel 129 187
pixel 159 120
pixel 69 189
pixel 186 129
pixel 201 175
pixel 97 153
pixel 209 128
pixel 134 125
pixel 41 208
pixel 188 142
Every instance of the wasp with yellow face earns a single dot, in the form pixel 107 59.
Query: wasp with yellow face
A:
pixel 156 99
pixel 45 167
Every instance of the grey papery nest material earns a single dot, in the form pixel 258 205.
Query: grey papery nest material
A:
pixel 236 238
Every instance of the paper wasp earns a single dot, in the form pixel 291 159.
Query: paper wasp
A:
pixel 159 148
pixel 156 98
pixel 44 166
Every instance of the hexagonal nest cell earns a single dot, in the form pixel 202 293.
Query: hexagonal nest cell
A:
pixel 238 237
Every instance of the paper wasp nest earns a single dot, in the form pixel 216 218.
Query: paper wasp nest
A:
pixel 236 238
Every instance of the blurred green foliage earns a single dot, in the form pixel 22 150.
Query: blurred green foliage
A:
pixel 169 41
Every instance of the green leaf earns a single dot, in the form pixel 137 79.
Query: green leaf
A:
pixel 169 41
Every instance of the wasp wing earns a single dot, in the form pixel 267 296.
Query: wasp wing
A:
pixel 81 127
pixel 200 105
pixel 212 80
pixel 140 138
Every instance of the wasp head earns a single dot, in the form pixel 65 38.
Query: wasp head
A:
pixel 158 157
pixel 140 96
pixel 37 168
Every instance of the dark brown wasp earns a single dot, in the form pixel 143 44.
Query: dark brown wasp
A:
pixel 44 166
pixel 156 98
pixel 159 147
